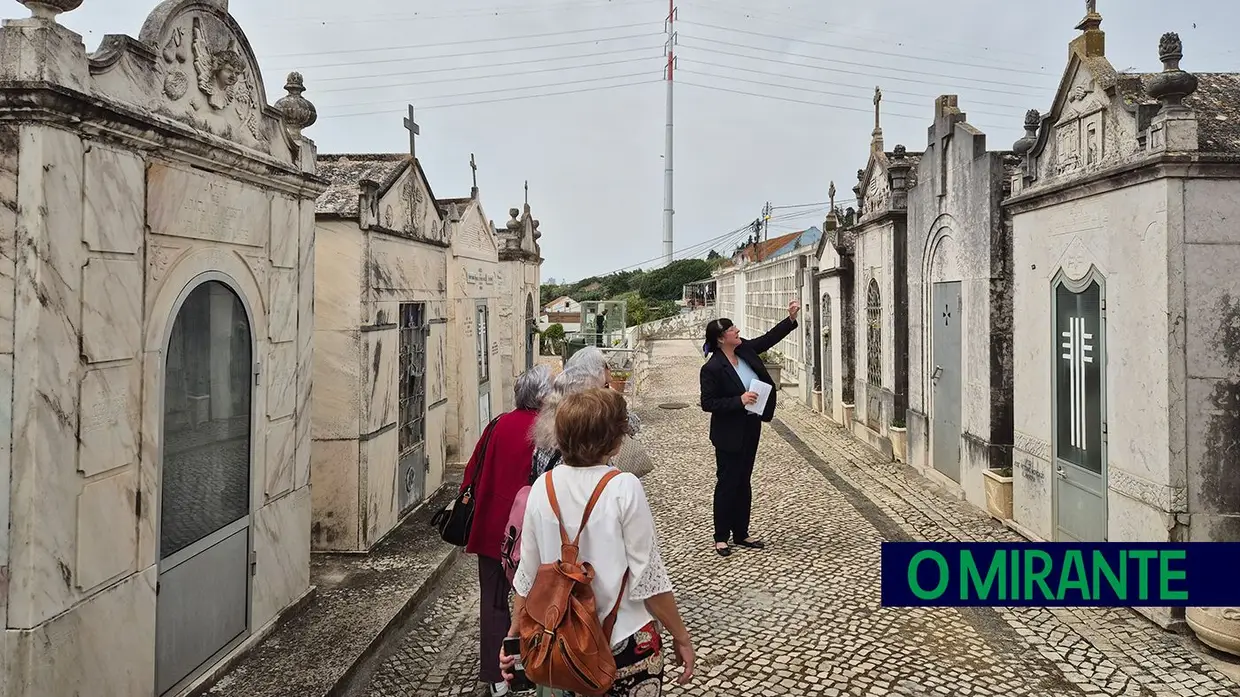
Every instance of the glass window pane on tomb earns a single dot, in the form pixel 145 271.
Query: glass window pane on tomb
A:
pixel 414 332
pixel 874 334
pixel 484 359
pixel 1078 376
pixel 209 371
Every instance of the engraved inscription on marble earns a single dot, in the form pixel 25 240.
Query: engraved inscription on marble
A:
pixel 206 207
pixel 107 428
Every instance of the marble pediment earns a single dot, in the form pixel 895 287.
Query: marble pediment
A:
pixel 876 187
pixel 192 63
pixel 475 236
pixel 408 207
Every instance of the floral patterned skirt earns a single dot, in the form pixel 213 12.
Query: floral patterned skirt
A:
pixel 639 665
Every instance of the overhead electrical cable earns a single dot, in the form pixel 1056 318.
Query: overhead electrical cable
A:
pixel 869 65
pixel 505 64
pixel 870 51
pixel 510 96
pixel 461 13
pixel 360 88
pixel 468 54
pixel 872 76
pixel 1010 114
pixel 463 42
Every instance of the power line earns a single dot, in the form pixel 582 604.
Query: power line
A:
pixel 854 72
pixel 860 87
pixel 831 94
pixel 508 98
pixel 867 65
pixel 866 50
pixel 523 37
pixel 801 22
pixel 464 13
pixel 484 77
pixel 527 61
pixel 355 64
pixel 817 104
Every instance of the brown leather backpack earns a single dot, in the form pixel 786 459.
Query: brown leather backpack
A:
pixel 563 644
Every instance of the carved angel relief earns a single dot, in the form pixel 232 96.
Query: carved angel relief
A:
pixel 222 85
pixel 877 195
pixel 222 78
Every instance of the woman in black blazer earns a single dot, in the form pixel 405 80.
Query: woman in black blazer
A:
pixel 734 431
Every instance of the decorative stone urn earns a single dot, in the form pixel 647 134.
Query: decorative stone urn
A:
pixel 298 112
pixel 1217 627
pixel 48 9
pixel 1173 84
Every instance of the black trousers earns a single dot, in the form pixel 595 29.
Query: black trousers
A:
pixel 494 618
pixel 733 484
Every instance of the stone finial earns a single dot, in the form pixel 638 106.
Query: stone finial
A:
pixel 298 112
pixel 537 234
pixel 48 9
pixel 1032 120
pixel 900 152
pixel 513 223
pixel 1172 85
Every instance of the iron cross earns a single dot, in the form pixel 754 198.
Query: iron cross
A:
pixel 414 131
pixel 474 166
pixel 527 192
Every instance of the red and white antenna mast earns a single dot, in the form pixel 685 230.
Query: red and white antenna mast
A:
pixel 668 211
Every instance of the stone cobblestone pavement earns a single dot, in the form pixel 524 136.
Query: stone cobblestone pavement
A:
pixel 803 617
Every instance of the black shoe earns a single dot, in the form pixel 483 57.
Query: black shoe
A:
pixel 752 544
pixel 722 551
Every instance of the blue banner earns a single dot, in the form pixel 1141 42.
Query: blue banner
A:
pixel 1109 574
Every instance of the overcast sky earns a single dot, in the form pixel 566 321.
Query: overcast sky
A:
pixel 771 104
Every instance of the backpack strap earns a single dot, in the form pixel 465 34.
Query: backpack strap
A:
pixel 585 516
pixel 610 622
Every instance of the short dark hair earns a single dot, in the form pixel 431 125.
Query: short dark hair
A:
pixel 590 425
pixel 714 330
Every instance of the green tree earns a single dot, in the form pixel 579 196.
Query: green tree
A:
pixel 668 282
pixel 553 339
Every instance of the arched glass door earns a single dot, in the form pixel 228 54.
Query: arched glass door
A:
pixel 202 605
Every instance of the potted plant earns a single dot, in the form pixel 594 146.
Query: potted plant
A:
pixel 999 492
pixel 774 362
pixel 620 380
pixel 899 439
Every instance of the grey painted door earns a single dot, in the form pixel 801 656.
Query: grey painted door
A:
pixel 946 378
pixel 202 600
pixel 828 361
pixel 1080 431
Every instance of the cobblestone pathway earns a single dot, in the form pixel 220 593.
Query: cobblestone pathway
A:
pixel 802 617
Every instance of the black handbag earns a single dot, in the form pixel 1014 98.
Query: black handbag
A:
pixel 455 520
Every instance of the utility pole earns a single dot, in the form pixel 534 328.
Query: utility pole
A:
pixel 766 221
pixel 668 210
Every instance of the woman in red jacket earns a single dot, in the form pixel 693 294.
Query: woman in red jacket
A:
pixel 505 469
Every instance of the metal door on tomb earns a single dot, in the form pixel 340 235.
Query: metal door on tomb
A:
pixel 413 463
pixel 482 337
pixel 828 362
pixel 531 331
pixel 1079 404
pixel 205 555
pixel 946 378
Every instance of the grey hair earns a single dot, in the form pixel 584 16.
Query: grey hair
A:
pixel 590 359
pixel 532 387
pixel 573 380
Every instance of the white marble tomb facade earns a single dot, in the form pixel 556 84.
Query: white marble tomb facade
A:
pixel 960 312
pixel 1125 310
pixel 520 275
pixel 834 317
pixel 380 398
pixel 475 384
pixel 880 293
pixel 155 348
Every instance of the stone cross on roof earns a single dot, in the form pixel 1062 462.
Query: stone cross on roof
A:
pixel 876 141
pixel 414 131
pixel 1091 7
pixel 527 192
pixel 831 195
pixel 473 164
pixel 878 99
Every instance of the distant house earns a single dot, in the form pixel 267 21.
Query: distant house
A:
pixel 777 246
pixel 562 304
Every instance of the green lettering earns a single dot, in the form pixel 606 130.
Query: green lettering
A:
pixel 1166 575
pixel 1102 567
pixel 1143 557
pixel 1037 576
pixel 971 578
pixel 1072 575
pixel 915 586
pixel 1015 559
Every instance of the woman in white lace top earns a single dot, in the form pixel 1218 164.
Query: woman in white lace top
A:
pixel 620 537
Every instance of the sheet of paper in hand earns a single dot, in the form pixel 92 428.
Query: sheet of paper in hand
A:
pixel 763 391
